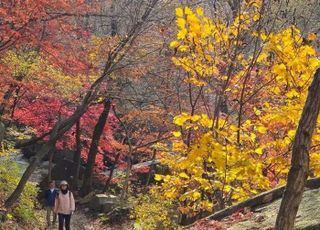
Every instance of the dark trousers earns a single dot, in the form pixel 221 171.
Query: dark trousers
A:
pixel 64 219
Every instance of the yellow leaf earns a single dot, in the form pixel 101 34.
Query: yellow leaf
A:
pixel 183 175
pixel 252 136
pixel 158 177
pixel 166 178
pixel 183 48
pixel 100 99
pixel 262 57
pixel 279 69
pixel 196 195
pixel 256 17
pixel 171 193
pixel 187 10
pixel 263 36
pixel 182 34
pixel 180 119
pixel 256 111
pixel 181 23
pixel 233 128
pixel 276 90
pixel 179 12
pixel 195 118
pixel 291 133
pixel 262 129
pixel 206 121
pixel 174 44
pixel 199 11
pixel 176 133
pixel 292 93
pixel 259 150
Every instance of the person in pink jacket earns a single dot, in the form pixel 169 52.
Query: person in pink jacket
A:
pixel 64 205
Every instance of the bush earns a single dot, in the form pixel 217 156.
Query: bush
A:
pixel 152 211
pixel 23 210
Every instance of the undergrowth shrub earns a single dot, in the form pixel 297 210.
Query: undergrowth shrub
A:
pixel 152 212
pixel 10 174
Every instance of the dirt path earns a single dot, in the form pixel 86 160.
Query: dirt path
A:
pixel 81 221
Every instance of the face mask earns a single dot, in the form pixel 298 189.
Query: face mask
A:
pixel 64 191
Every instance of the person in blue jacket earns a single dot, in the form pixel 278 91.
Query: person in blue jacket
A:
pixel 50 196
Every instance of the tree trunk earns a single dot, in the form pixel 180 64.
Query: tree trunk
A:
pixel 9 93
pixel 32 166
pixel 114 23
pixel 59 129
pixel 98 130
pixel 6 98
pixel 15 101
pixel 50 165
pixel 299 170
pixel 77 156
pixel 111 174
pixel 152 167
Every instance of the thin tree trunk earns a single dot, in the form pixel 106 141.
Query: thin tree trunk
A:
pixel 129 159
pixel 77 156
pixel 98 130
pixel 32 166
pixel 114 23
pixel 50 165
pixel 152 168
pixel 15 101
pixel 8 94
pixel 6 98
pixel 111 174
pixel 299 170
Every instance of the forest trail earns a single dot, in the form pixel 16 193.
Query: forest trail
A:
pixel 81 221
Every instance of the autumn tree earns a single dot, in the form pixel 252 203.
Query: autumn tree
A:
pixel 262 76
pixel 114 56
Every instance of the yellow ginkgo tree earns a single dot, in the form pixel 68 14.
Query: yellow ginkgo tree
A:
pixel 264 76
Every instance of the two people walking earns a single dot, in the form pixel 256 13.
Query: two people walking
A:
pixel 59 202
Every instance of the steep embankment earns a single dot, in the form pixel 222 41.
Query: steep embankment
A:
pixel 264 217
pixel 260 212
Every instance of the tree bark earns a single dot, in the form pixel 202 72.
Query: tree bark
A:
pixel 6 98
pixel 152 167
pixel 50 165
pixel 111 174
pixel 98 130
pixel 299 170
pixel 32 166
pixel 77 156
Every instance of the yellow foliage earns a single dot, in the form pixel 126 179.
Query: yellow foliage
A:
pixel 28 66
pixel 237 159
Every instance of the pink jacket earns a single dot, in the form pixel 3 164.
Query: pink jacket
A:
pixel 64 203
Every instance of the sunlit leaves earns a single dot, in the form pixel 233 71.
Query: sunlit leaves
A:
pixel 237 157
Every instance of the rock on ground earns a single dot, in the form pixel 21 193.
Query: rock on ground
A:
pixel 264 217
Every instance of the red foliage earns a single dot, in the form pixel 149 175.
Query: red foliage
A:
pixel 42 113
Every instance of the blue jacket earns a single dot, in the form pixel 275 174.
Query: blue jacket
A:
pixel 50 197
